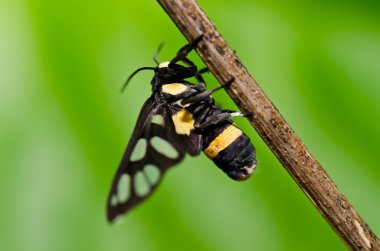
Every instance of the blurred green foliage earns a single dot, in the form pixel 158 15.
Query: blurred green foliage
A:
pixel 64 124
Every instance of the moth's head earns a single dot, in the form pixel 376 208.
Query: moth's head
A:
pixel 167 72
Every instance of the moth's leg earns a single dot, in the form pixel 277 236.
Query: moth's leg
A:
pixel 182 56
pixel 190 63
pixel 182 53
pixel 199 77
pixel 200 87
pixel 187 48
pixel 217 118
pixel 198 74
pixel 203 95
pixel 201 112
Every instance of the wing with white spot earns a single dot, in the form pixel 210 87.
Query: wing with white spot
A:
pixel 153 148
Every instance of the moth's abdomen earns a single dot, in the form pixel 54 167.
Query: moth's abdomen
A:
pixel 231 150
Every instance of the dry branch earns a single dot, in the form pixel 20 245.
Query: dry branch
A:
pixel 271 126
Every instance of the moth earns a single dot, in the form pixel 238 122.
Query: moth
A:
pixel 179 118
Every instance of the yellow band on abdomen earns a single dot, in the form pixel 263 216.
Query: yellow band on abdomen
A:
pixel 222 141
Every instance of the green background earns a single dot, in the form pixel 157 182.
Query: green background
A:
pixel 64 124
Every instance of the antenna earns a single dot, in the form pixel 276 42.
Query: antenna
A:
pixel 133 74
pixel 157 52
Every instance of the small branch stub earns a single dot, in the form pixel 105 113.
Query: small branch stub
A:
pixel 271 126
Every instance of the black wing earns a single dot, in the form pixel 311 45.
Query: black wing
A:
pixel 153 148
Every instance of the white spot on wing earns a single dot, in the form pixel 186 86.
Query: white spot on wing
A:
pixel 139 151
pixel 114 200
pixel 123 191
pixel 164 147
pixel 141 186
pixel 158 119
pixel 153 173
pixel 118 220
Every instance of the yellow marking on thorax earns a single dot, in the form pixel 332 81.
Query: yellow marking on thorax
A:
pixel 222 141
pixel 174 88
pixel 163 64
pixel 183 122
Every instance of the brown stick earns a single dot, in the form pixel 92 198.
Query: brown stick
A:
pixel 271 126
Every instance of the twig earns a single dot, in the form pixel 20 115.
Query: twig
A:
pixel 271 126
